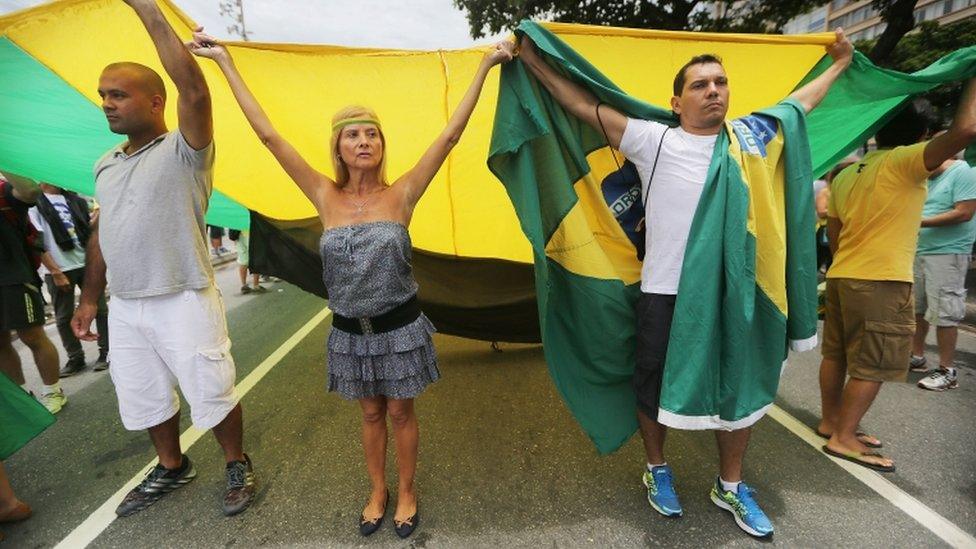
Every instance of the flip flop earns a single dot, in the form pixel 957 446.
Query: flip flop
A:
pixel 855 457
pixel 860 435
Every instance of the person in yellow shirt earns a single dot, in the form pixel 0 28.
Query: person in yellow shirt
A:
pixel 873 216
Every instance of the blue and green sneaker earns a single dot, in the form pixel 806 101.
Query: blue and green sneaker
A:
pixel 659 482
pixel 744 509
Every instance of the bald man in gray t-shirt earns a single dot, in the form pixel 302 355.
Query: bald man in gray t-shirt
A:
pixel 166 315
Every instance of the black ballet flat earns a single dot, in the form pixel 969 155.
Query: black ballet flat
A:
pixel 368 526
pixel 406 527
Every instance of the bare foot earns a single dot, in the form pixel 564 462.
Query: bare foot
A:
pixel 852 446
pixel 865 440
pixel 868 440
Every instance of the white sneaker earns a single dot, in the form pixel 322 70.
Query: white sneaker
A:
pixel 940 380
pixel 54 401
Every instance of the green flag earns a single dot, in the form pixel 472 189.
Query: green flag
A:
pixel 21 417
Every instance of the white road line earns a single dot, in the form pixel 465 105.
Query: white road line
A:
pixel 98 521
pixel 923 514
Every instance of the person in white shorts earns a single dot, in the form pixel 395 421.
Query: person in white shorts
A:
pixel 167 316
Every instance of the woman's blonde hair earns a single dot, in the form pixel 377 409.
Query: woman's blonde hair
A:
pixel 353 112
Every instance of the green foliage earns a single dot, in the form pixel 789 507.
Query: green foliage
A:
pixel 493 16
pixel 926 45
pixel 931 41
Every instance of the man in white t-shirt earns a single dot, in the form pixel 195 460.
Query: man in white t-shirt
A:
pixel 63 220
pixel 701 102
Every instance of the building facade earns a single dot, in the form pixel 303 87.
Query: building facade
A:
pixel 862 22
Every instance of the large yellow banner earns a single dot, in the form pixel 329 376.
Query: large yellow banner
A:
pixel 466 211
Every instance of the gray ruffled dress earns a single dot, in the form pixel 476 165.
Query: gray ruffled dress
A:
pixel 366 269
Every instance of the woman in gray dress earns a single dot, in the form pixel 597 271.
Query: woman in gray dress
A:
pixel 379 350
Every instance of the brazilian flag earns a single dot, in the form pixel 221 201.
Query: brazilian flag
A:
pixel 748 285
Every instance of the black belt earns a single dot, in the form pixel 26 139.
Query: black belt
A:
pixel 398 317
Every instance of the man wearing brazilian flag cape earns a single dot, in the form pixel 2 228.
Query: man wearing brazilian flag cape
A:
pixel 738 166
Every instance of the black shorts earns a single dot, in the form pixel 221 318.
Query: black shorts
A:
pixel 654 313
pixel 216 232
pixel 21 307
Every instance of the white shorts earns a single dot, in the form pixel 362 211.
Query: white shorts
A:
pixel 160 342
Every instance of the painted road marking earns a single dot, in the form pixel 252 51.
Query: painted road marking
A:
pixel 98 521
pixel 923 514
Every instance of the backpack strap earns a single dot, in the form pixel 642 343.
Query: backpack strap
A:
pixel 640 224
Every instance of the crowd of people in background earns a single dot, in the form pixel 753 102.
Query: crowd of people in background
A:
pixel 942 257
pixel 54 224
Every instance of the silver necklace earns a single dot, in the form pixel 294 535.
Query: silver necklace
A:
pixel 361 206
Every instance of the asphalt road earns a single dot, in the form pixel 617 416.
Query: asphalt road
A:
pixel 502 462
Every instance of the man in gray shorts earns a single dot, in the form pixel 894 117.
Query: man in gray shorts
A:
pixel 167 316
pixel 941 262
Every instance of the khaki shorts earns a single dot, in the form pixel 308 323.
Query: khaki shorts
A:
pixel 869 327
pixel 940 288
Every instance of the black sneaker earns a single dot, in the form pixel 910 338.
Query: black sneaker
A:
pixel 72 367
pixel 101 363
pixel 158 482
pixel 241 486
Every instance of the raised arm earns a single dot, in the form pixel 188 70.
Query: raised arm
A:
pixel 193 104
pixel 415 181
pixel 92 287
pixel 309 180
pixel 814 91
pixel 960 134
pixel 574 98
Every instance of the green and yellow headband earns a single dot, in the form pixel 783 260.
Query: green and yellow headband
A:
pixel 343 123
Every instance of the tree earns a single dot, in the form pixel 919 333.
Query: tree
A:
pixel 899 18
pixel 493 16
pixel 234 9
